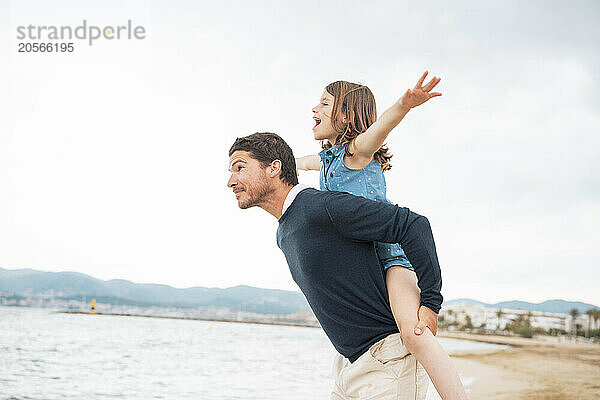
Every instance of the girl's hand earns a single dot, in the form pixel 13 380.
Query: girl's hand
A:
pixel 308 163
pixel 420 94
pixel 427 319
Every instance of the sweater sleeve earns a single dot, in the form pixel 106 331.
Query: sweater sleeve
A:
pixel 361 219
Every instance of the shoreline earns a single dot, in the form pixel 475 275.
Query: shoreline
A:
pixel 283 323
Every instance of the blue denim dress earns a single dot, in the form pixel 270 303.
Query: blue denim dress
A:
pixel 367 182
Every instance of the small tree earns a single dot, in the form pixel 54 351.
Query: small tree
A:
pixel 451 314
pixel 468 322
pixel 499 314
pixel 574 314
pixel 521 325
pixel 596 316
pixel 590 314
pixel 528 319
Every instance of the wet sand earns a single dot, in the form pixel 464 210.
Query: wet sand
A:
pixel 532 369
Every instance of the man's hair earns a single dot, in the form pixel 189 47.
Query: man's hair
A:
pixel 266 147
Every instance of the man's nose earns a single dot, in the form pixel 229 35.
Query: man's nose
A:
pixel 231 182
pixel 314 109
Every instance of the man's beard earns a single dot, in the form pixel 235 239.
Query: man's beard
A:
pixel 254 199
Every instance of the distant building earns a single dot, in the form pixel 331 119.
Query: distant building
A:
pixel 488 318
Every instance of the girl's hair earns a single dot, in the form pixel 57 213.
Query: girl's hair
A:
pixel 355 104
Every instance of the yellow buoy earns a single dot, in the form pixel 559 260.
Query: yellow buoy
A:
pixel 93 306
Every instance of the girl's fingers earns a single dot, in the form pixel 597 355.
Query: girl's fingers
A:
pixel 421 80
pixel 434 94
pixel 431 84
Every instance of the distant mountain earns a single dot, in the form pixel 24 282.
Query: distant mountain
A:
pixel 74 285
pixel 466 301
pixel 28 282
pixel 553 306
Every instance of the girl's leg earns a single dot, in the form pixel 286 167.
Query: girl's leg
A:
pixel 404 300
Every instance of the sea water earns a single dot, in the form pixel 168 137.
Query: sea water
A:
pixel 47 355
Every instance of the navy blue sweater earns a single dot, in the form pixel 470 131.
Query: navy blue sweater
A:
pixel 327 238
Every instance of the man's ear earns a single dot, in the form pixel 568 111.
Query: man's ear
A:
pixel 274 168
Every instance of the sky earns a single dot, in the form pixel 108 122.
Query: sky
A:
pixel 113 158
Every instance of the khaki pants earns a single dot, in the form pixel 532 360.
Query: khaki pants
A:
pixel 386 371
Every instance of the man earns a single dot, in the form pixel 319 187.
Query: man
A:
pixel 327 239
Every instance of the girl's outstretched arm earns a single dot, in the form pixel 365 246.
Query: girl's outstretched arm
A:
pixel 404 300
pixel 367 144
pixel 309 163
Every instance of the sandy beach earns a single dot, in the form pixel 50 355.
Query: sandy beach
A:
pixel 530 369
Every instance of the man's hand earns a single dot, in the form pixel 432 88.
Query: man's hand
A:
pixel 427 319
pixel 420 94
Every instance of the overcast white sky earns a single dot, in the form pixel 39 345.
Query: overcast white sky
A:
pixel 113 158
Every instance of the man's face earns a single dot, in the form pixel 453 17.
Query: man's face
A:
pixel 248 180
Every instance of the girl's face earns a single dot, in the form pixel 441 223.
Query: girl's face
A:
pixel 323 128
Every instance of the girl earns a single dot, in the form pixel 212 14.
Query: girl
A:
pixel 353 159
